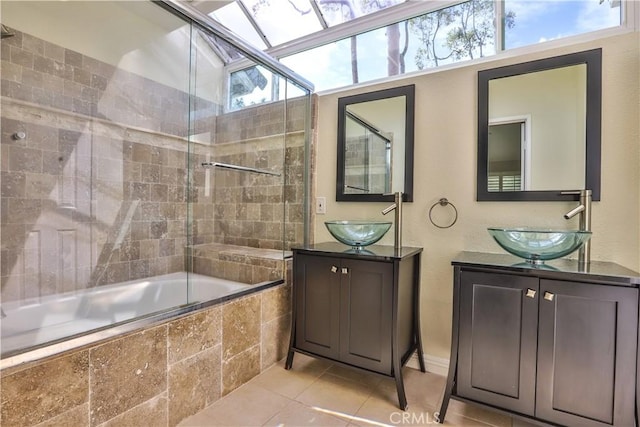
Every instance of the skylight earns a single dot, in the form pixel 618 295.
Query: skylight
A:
pixel 269 23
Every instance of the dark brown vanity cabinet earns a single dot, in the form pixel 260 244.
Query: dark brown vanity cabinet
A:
pixel 558 346
pixel 497 349
pixel 357 308
pixel 344 310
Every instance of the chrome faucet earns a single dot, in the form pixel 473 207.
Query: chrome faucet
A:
pixel 584 209
pixel 397 206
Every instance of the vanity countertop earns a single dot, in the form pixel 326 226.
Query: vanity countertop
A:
pixel 373 252
pixel 568 269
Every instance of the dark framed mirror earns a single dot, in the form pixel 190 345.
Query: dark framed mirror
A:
pixel 539 129
pixel 375 145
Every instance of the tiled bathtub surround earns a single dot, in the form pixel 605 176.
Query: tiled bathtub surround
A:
pixel 106 187
pixel 157 376
pixel 238 263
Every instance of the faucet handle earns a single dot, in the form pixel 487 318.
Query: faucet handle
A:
pixel 585 195
pixel 586 192
pixel 398 195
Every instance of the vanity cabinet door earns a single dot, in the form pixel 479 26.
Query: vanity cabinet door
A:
pixel 497 340
pixel 366 314
pixel 317 282
pixel 587 354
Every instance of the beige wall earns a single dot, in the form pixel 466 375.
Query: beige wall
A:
pixel 445 166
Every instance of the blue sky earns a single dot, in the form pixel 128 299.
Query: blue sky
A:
pixel 536 21
pixel 542 20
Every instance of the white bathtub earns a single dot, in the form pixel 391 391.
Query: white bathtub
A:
pixel 28 324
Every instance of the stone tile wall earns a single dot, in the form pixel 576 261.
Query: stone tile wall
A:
pixel 365 164
pixel 238 263
pixel 105 160
pixel 96 192
pixel 46 74
pixel 102 178
pixel 157 376
pixel 248 209
pixel 87 202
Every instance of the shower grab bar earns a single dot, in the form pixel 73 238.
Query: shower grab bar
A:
pixel 239 168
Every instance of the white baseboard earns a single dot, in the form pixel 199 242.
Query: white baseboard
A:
pixel 435 365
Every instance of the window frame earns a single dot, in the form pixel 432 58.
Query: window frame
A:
pixel 629 22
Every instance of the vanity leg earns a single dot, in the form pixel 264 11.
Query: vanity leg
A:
pixel 289 361
pixel 294 315
pixel 402 397
pixel 453 360
pixel 396 365
pixel 638 373
pixel 448 389
pixel 416 314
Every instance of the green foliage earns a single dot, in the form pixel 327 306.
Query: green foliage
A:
pixel 428 28
pixel 463 31
pixel 238 103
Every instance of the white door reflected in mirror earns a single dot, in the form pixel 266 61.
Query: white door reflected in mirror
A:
pixel 509 164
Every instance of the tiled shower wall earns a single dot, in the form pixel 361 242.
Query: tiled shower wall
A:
pixel 39 72
pixel 248 209
pixel 366 165
pixel 86 202
pixel 96 193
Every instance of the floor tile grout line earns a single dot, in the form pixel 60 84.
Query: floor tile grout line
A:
pixel 357 418
pixel 298 403
pixel 291 402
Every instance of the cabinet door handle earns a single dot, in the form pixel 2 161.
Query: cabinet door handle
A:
pixel 549 296
pixel 345 270
pixel 531 293
pixel 334 269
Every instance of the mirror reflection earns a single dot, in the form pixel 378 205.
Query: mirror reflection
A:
pixel 539 128
pixel 537 131
pixel 374 137
pixel 375 145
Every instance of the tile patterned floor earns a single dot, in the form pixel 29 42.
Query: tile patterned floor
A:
pixel 317 393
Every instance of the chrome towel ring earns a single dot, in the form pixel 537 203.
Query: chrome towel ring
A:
pixel 444 202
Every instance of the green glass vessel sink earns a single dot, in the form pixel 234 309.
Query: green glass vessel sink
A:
pixel 358 234
pixel 539 245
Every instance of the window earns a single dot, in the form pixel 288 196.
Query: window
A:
pixel 336 43
pixel 251 86
pixel 456 33
pixel 501 183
